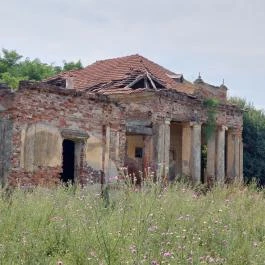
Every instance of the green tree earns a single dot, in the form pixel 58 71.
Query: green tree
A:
pixel 11 80
pixel 8 60
pixel 72 65
pixel 254 141
pixel 35 69
pixel 13 68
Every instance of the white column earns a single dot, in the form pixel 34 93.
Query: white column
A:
pixel 117 146
pixel 230 155
pixel 241 175
pixel 186 149
pixel 106 164
pixel 196 153
pixel 211 154
pixel 163 146
pixel 166 147
pixel 220 155
pixel 237 156
pixel 160 151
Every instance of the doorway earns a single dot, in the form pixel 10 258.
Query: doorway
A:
pixel 204 179
pixel 135 154
pixel 68 174
pixel 175 154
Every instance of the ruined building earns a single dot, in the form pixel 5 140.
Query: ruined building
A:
pixel 126 111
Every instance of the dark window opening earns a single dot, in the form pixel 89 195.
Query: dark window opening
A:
pixel 172 155
pixel 68 173
pixel 139 84
pixel 147 82
pixel 158 85
pixel 204 179
pixel 203 163
pixel 138 152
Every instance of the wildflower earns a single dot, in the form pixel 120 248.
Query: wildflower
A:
pixel 93 254
pixel 167 254
pixel 190 260
pixel 154 262
pixel 133 249
pixel 113 178
pixel 152 228
pixel 59 262
pixel 211 260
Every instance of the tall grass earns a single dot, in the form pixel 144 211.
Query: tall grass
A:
pixel 155 225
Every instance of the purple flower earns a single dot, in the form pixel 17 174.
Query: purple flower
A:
pixel 167 254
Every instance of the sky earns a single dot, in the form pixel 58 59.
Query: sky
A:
pixel 221 39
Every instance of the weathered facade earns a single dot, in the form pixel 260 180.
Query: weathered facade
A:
pixel 83 125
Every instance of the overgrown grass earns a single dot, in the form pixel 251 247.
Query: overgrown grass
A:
pixel 151 226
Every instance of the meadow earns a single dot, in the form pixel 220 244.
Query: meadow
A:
pixel 154 225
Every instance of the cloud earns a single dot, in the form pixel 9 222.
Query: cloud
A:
pixel 220 38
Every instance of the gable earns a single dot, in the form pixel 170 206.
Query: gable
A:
pixel 146 81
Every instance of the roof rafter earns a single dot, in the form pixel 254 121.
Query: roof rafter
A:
pixel 148 80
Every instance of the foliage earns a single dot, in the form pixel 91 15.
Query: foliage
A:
pixel 14 69
pixel 150 226
pixel 254 141
pixel 211 105
pixel 67 66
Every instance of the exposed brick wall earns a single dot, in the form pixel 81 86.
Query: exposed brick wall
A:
pixel 80 112
pixel 156 107
pixel 183 109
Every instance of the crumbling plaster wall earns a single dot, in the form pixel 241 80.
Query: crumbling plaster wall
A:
pixel 6 133
pixel 39 117
pixel 156 108
pixel 41 113
pixel 159 108
pixel 41 145
pixel 6 127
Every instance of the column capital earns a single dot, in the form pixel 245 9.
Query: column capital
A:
pixel 167 121
pixel 236 131
pixel 186 124
pixel 191 124
pixel 222 127
pixel 194 124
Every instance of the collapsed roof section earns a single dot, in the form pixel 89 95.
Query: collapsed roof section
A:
pixel 120 72
pixel 132 81
pixel 130 74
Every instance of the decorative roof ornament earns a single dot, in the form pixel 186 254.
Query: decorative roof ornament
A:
pixel 199 79
pixel 223 85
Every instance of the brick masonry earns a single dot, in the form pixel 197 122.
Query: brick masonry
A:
pixel 50 107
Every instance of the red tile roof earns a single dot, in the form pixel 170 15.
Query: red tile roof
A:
pixel 110 74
